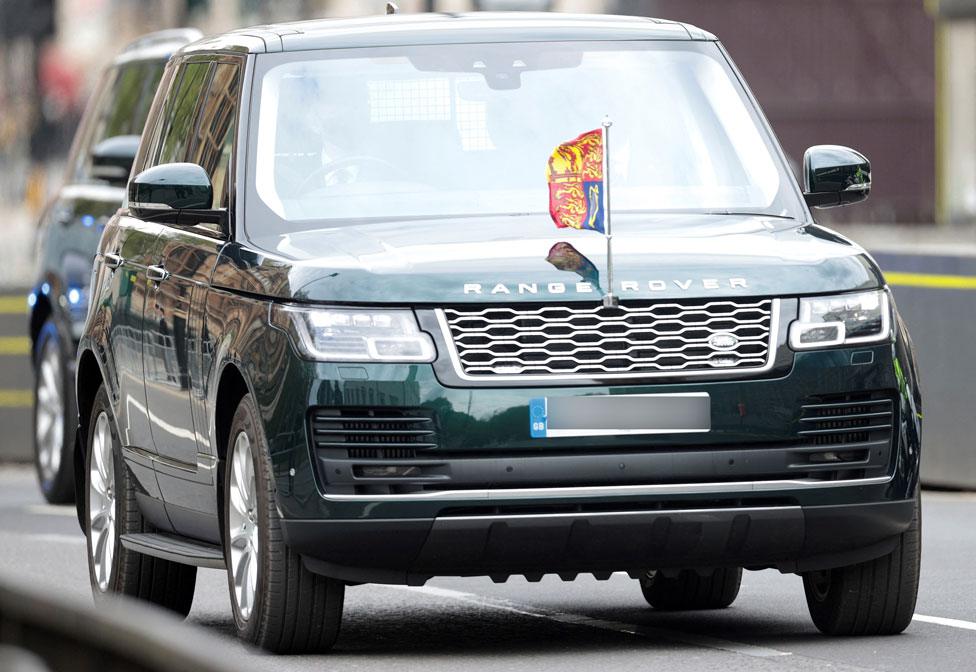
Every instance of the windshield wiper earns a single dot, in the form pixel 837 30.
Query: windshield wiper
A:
pixel 751 214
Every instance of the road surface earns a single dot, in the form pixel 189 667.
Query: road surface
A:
pixel 473 624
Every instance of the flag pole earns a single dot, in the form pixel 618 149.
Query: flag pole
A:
pixel 609 298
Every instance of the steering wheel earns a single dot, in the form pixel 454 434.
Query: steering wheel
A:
pixel 346 161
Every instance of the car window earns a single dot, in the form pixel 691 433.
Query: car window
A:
pixel 213 144
pixel 156 120
pixel 466 130
pixel 123 102
pixel 181 114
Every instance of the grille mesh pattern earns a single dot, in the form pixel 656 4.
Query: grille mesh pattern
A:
pixel 633 339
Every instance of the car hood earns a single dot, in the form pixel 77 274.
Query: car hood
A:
pixel 528 259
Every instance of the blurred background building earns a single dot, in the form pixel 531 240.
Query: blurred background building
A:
pixel 894 78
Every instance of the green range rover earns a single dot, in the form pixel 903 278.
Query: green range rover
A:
pixel 336 337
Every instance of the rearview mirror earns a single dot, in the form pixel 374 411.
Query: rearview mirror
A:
pixel 835 175
pixel 112 158
pixel 170 188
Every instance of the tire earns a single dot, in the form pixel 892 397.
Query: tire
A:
pixel 278 604
pixel 690 590
pixel 870 598
pixel 55 416
pixel 123 572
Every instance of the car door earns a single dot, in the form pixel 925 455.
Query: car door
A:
pixel 128 248
pixel 165 354
pixel 186 257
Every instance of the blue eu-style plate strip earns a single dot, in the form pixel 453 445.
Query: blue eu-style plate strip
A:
pixel 538 422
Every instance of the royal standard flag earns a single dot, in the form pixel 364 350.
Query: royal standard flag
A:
pixel 575 175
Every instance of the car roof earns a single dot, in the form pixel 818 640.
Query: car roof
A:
pixel 416 29
pixel 159 45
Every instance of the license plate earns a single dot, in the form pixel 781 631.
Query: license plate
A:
pixel 620 414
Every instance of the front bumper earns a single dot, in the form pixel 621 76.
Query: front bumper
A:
pixel 789 537
pixel 726 498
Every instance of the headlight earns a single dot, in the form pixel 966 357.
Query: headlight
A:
pixel 355 335
pixel 840 320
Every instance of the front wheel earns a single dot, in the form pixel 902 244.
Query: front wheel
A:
pixel 278 604
pixel 870 598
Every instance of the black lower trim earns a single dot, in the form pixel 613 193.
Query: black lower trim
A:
pixel 789 538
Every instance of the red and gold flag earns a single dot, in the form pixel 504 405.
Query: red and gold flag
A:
pixel 576 186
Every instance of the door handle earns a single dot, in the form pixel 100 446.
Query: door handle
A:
pixel 113 260
pixel 157 273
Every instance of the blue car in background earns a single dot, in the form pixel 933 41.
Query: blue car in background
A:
pixel 97 170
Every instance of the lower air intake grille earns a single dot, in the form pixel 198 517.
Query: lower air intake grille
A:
pixel 843 420
pixel 371 434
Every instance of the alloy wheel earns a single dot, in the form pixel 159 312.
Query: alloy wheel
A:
pixel 242 526
pixel 49 418
pixel 101 502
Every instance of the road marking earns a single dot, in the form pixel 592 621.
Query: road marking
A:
pixel 949 622
pixel 14 345
pixel 931 281
pixel 599 623
pixel 51 510
pixel 13 305
pixel 49 537
pixel 16 398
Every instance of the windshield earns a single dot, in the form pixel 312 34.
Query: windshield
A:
pixel 466 130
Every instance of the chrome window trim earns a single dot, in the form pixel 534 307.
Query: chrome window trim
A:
pixel 726 488
pixel 149 206
pixel 588 377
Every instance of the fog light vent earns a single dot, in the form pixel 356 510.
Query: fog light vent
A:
pixel 840 420
pixel 373 433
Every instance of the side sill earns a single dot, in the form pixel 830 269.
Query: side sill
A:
pixel 176 549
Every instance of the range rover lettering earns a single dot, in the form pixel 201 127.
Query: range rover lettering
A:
pixel 359 321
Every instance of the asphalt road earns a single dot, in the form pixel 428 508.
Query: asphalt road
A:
pixel 462 624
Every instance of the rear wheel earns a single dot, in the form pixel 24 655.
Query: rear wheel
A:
pixel 110 505
pixel 278 604
pixel 870 598
pixel 690 590
pixel 54 417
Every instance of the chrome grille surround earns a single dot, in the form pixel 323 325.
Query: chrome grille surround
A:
pixel 641 339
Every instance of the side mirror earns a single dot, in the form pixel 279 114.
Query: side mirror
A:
pixel 112 158
pixel 167 189
pixel 835 175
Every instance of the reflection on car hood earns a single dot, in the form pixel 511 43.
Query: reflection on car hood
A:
pixel 528 259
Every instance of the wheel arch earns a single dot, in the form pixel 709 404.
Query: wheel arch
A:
pixel 88 379
pixel 232 386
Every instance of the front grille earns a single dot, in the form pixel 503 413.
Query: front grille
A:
pixel 373 434
pixel 641 338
